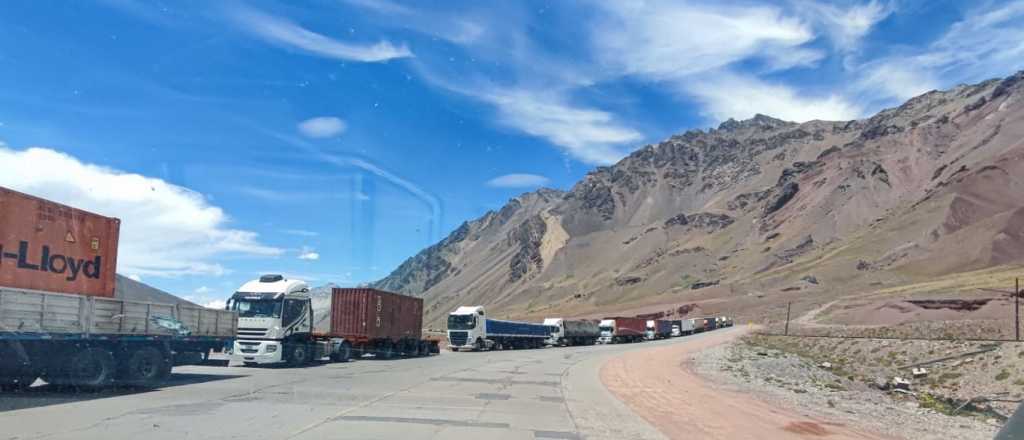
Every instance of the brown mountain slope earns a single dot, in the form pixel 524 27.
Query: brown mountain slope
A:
pixel 727 217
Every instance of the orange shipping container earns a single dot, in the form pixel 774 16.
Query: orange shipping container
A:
pixel 56 248
pixel 361 315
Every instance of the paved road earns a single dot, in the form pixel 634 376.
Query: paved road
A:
pixel 552 393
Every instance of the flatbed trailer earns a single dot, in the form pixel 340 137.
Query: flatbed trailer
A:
pixel 92 342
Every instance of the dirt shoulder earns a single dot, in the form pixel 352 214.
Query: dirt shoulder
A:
pixel 661 386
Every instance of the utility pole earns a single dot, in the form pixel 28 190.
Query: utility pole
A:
pixel 1016 308
pixel 789 306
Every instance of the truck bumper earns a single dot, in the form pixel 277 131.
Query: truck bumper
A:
pixel 259 352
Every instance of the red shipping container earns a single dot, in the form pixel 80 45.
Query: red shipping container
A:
pixel 56 248
pixel 630 326
pixel 363 314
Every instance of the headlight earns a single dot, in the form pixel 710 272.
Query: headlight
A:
pixel 271 348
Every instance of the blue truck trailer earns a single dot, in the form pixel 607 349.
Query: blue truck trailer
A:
pixel 469 328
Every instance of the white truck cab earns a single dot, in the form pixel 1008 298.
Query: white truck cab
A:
pixel 557 326
pixel 676 330
pixel 272 312
pixel 467 328
pixel 607 327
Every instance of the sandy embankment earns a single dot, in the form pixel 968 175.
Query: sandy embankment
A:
pixel 659 385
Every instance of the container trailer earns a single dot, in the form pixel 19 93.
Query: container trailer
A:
pixel 59 320
pixel 682 327
pixel 572 332
pixel 469 328
pixel 275 324
pixel 383 323
pixel 658 329
pixel 697 324
pixel 710 323
pixel 622 329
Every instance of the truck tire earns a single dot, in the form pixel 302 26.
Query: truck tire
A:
pixel 344 354
pixel 9 384
pixel 89 368
pixel 477 345
pixel 386 351
pixel 300 355
pixel 146 367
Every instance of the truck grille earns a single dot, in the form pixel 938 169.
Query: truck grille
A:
pixel 252 332
pixel 458 338
pixel 248 347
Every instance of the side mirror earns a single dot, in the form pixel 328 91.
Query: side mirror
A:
pixel 481 313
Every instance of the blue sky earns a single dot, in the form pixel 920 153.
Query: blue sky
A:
pixel 330 140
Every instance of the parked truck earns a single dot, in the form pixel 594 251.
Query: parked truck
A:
pixel 710 323
pixel 622 329
pixel 381 323
pixel 469 328
pixel 682 327
pixel 572 332
pixel 697 324
pixel 276 324
pixel 59 318
pixel 658 329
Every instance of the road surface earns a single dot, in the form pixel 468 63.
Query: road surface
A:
pixel 552 393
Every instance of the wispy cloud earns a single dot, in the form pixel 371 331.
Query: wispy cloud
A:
pixel 988 42
pixel 726 95
pixel 277 195
pixel 695 49
pixel 846 25
pixel 307 253
pixel 166 230
pixel 322 127
pixel 201 290
pixel 285 33
pixel 301 232
pixel 518 181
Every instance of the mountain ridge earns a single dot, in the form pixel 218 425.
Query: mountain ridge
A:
pixel 738 206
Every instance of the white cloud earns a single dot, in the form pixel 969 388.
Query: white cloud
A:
pixel 671 40
pixel 322 127
pixel 307 253
pixel 300 232
pixel 219 304
pixel 518 181
pixel 846 26
pixel 285 33
pixel 590 135
pixel 166 230
pixel 988 42
pixel 732 96
pixel 135 277
pixel 202 289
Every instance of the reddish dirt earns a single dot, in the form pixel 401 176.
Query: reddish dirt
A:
pixel 659 385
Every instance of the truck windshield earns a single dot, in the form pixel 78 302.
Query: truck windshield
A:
pixel 461 322
pixel 257 308
pixel 606 329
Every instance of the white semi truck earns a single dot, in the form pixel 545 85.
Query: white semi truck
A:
pixel 469 328
pixel 275 324
pixel 572 331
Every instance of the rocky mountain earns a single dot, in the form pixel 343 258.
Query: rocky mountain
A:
pixel 129 289
pixel 727 217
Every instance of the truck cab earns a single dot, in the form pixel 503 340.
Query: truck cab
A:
pixel 651 333
pixel 467 328
pixel 607 327
pixel 275 320
pixel 677 330
pixel 557 326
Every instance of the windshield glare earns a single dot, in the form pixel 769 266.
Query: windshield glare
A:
pixel 257 308
pixel 461 322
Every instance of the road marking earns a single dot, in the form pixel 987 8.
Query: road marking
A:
pixel 435 422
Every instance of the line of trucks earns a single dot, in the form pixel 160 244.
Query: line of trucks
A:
pixel 470 329
pixel 61 320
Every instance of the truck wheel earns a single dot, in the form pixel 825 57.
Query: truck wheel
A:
pixel 387 351
pixel 477 345
pixel 10 384
pixel 344 354
pixel 146 367
pixel 89 368
pixel 300 355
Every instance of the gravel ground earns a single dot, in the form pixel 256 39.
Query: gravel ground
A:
pixel 796 383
